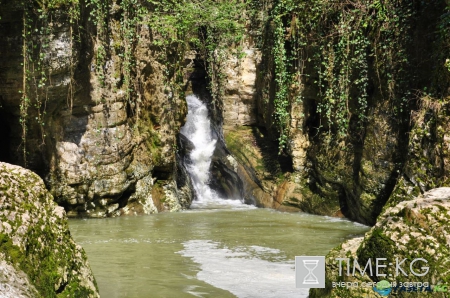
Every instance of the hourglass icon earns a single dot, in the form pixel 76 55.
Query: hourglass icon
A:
pixel 310 278
pixel 310 272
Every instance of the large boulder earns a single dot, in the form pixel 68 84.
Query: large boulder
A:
pixel 38 257
pixel 411 230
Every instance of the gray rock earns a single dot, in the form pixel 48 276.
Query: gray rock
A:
pixel 410 230
pixel 37 254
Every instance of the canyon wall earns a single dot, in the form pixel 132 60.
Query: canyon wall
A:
pixel 328 109
pixel 101 129
pixel 343 115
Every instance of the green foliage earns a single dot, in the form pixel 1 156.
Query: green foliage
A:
pixel 132 16
pixel 282 81
pixel 41 261
pixel 343 72
pixel 11 251
pixel 98 15
pixel 36 32
pixel 355 48
pixel 210 27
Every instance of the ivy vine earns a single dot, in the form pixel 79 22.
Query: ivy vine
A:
pixel 37 25
pixel 355 47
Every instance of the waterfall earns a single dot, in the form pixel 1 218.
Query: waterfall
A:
pixel 198 130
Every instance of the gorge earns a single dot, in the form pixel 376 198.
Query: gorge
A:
pixel 333 108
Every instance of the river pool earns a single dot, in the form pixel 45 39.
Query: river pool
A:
pixel 234 252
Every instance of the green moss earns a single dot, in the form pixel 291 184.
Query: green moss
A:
pixel 316 204
pixel 40 262
pixel 378 245
pixel 74 290
pixel 11 251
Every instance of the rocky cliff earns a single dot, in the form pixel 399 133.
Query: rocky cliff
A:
pixel 409 230
pixel 339 120
pixel 329 108
pixel 39 257
pixel 89 107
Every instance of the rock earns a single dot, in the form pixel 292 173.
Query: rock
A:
pixel 239 102
pixel 185 145
pixel 168 196
pixel 100 142
pixel 410 230
pixel 14 283
pixel 37 253
pixel 224 178
pixel 183 179
pixel 257 164
pixel 428 162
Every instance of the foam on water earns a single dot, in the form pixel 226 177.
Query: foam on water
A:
pixel 242 271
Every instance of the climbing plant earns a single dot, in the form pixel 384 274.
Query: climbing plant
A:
pixel 355 47
pixel 210 27
pixel 37 16
pixel 99 16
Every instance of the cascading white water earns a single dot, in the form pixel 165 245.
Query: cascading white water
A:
pixel 198 130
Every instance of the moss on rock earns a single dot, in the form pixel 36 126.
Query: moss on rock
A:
pixel 410 230
pixel 35 237
pixel 428 162
pixel 267 177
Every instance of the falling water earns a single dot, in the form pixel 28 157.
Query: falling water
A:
pixel 212 251
pixel 198 130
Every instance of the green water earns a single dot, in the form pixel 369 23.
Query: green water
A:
pixel 206 253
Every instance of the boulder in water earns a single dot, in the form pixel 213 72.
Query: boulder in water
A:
pixel 38 257
pixel 413 236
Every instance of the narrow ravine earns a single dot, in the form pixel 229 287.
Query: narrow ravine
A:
pixel 222 248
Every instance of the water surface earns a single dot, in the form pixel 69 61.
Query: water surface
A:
pixel 240 252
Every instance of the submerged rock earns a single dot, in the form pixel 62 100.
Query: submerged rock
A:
pixel 412 230
pixel 38 257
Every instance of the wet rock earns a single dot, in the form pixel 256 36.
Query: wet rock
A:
pixel 257 164
pixel 185 146
pixel 224 178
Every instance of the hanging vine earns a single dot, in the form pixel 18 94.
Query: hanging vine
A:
pixel 210 27
pixel 281 100
pixel 37 17
pixel 343 41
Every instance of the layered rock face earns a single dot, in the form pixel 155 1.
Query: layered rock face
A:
pixel 99 145
pixel 108 168
pixel 239 100
pixel 39 257
pixel 102 125
pixel 410 230
pixel 382 150
pixel 253 155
